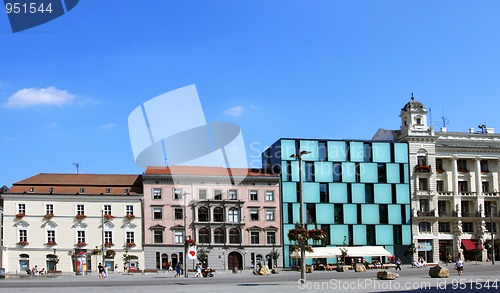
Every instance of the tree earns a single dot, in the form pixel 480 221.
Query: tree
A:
pixel 274 254
pixel 202 256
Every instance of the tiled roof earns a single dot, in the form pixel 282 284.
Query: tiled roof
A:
pixel 72 183
pixel 203 170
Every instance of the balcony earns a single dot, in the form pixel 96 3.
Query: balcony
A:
pixel 475 214
pixel 491 194
pixel 431 213
pixel 423 169
pixel 445 193
pixel 467 193
pixel 447 214
pixel 487 214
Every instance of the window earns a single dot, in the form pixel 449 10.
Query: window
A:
pixel 51 236
pixel 80 209
pixel 444 227
pixel 397 235
pixel 108 237
pixel 203 236
pixel 178 213
pixel 485 186
pixel 484 166
pixel 384 214
pixel 309 172
pixel 439 164
pixel 323 192
pixel 107 209
pixel 82 190
pixel 423 184
pixel 367 152
pixel 157 213
pixel 202 214
pixel 370 234
pixel 270 215
pixel 254 237
pixel 217 194
pixel 219 236
pixel 337 172
pixel 254 215
pixel 463 186
pixel 424 205
pixel 32 189
pixel 130 237
pixel 468 227
pixel 462 165
pixel 49 209
pixel 156 193
pixel 422 160
pixel 23 235
pixel 218 214
pixel 254 196
pixel 51 190
pixel 269 195
pixel 233 194
pixel 382 173
pixel 322 152
pixel 440 185
pixel 108 190
pixel 418 121
pixel 80 236
pixel 202 194
pixel 234 236
pixel 233 215
pixel 126 190
pixel 178 236
pixel 21 208
pixel 177 193
pixel 369 193
pixel 129 209
pixel 157 236
pixel 424 227
pixel 271 237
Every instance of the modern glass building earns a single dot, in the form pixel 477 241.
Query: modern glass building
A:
pixel 358 192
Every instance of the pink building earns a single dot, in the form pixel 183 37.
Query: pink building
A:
pixel 233 214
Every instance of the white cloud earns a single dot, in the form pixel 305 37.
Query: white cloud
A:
pixel 108 126
pixel 235 111
pixel 29 97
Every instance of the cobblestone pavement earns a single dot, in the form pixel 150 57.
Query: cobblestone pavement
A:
pixel 482 276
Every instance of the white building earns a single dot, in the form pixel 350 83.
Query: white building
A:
pixel 62 215
pixel 454 186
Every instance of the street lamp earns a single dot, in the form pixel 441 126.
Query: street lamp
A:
pixel 492 236
pixel 102 238
pixel 184 195
pixel 302 242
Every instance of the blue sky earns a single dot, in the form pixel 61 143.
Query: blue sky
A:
pixel 313 69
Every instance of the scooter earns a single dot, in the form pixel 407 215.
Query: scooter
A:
pixel 208 272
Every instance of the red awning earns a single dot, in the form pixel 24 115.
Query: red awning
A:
pixel 470 244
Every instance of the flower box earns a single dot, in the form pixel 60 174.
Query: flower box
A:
pixel 190 242
pixel 96 251
pixel 297 234
pixel 440 170
pixel 130 244
pixel 108 244
pixel 130 216
pixel 51 243
pixel 317 234
pixel 485 171
pixel 80 216
pixel 81 244
pixel 108 216
pixel 463 170
pixel 424 168
pixel 48 216
pixel 20 215
pixel 23 243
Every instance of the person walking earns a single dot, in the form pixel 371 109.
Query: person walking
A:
pixel 459 266
pixel 100 269
pixel 178 270
pixel 398 264
pixel 198 271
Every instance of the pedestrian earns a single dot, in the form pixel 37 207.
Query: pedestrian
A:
pixel 116 268
pixel 178 270
pixel 398 264
pixel 198 271
pixel 459 266
pixel 100 269
pixel 170 266
pixel 106 271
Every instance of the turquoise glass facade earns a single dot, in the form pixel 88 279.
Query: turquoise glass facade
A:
pixel 358 192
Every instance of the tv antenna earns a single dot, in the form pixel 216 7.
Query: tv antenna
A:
pixel 77 165
pixel 446 121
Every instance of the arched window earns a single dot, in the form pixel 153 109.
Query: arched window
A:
pixel 233 215
pixel 203 236
pixel 219 236
pixel 234 236
pixel 424 227
pixel 218 214
pixel 202 214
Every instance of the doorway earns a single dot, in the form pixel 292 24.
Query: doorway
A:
pixel 235 261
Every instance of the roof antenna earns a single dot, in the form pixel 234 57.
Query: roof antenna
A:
pixel 77 165
pixel 445 121
pixel 412 97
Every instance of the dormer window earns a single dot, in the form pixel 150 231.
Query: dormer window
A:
pixel 32 189
pixel 418 121
pixel 108 190
pixel 51 190
pixel 82 190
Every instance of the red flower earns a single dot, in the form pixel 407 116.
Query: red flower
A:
pixel 130 244
pixel 190 242
pixel 130 216
pixel 108 244
pixel 51 243
pixel 20 215
pixel 80 216
pixel 48 216
pixel 108 216
pixel 23 243
pixel 80 244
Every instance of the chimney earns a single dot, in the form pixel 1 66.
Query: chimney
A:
pixel 444 129
pixel 490 130
pixel 471 130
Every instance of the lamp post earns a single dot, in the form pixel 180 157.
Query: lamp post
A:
pixel 184 195
pixel 492 236
pixel 302 242
pixel 102 239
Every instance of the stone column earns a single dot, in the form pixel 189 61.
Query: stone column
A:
pixel 456 194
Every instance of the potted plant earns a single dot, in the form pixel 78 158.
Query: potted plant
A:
pixel 130 216
pixel 80 216
pixel 48 216
pixel 51 243
pixel 108 244
pixel 110 253
pixel 109 216
pixel 20 215
pixel 189 242
pixel 81 244
pixel 130 244
pixel 23 243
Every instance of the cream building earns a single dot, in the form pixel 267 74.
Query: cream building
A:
pixel 72 217
pixel 454 186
